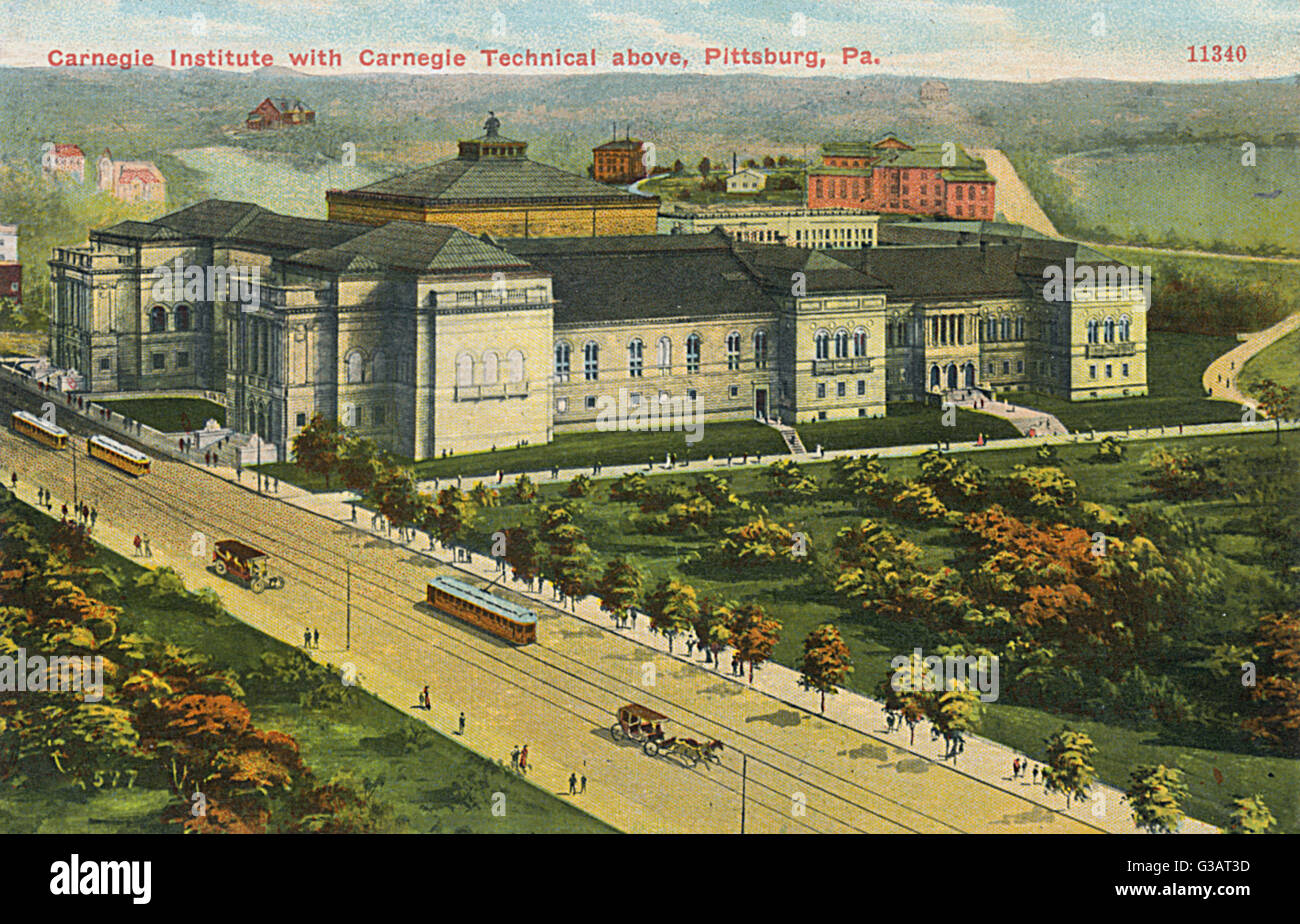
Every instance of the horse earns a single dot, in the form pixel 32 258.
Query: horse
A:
pixel 702 750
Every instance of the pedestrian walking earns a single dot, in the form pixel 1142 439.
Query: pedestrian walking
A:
pixel 65 511
pixel 1035 774
pixel 523 760
pixel 582 784
pixel 136 542
pixel 148 552
pixel 94 515
pixel 424 698
pixel 13 480
pixel 315 638
pixel 306 637
pixel 460 723
pixel 1015 768
pixel 514 758
pixel 573 784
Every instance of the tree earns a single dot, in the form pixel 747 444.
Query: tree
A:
pixel 1155 795
pixel 567 554
pixel 522 554
pixel 525 490
pixel 1250 816
pixel 826 661
pixel 1275 401
pixel 713 626
pixel 908 691
pixel 397 497
pixel 768 161
pixel 705 166
pixel 360 463
pixel 672 607
pixel 1110 449
pixel 618 588
pixel 1069 767
pixel 789 479
pixel 1276 694
pixel 455 513
pixel 753 634
pixel 317 447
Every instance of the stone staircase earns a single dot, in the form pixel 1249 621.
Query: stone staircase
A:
pixel 791 437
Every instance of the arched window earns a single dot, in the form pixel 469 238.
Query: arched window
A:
pixel 635 358
pixel 1110 330
pixel 693 353
pixel 733 350
pixel 1092 331
pixel 562 361
pixel 182 315
pixel 934 376
pixel 841 344
pixel 1020 328
pixel 665 356
pixel 822 345
pixel 491 368
pixel 992 329
pixel 379 367
pixel 760 349
pixel 1005 333
pixel 590 361
pixel 514 366
pixel 157 319
pixel 355 363
pixel 860 342
pixel 464 370
pixel 1124 328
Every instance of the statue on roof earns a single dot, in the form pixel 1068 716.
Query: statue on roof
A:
pixel 491 125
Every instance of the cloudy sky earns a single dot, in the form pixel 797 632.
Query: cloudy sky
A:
pixel 1004 40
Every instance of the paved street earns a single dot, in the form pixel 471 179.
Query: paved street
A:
pixel 803 773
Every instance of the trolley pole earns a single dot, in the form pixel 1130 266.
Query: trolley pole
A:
pixel 74 475
pixel 347 645
pixel 744 779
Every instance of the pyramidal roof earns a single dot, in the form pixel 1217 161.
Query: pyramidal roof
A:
pixel 410 247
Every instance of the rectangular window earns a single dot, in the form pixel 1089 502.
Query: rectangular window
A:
pixel 561 405
pixel 735 391
pixel 1124 370
pixel 821 389
pixel 589 402
pixel 1108 368
pixel 105 364
pixel 1092 372
pixel 634 399
pixel 379 414
pixel 1020 365
pixel 182 360
pixel 159 361
pixel 301 420
pixel 821 415
pixel 839 389
pixel 862 386
pixel 1006 366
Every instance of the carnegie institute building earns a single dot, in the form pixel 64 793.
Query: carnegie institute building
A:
pixel 429 338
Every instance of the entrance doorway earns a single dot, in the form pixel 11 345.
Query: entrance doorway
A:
pixel 760 403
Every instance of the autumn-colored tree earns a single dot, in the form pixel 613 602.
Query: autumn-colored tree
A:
pixel 317 446
pixel 525 490
pixel 1069 767
pixel 633 487
pixel 753 634
pixel 762 539
pixel 789 480
pixel 1155 795
pixel 522 554
pixel 826 661
pixel 1277 401
pixel 919 502
pixel 568 557
pixel 578 486
pixel 619 588
pixel 1276 694
pixel 1250 816
pixel 672 607
pixel 713 626
pixel 863 478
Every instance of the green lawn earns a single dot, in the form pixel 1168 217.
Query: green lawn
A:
pixel 579 450
pixel 1175 363
pixel 1279 362
pixel 430 782
pixel 903 425
pixel 801 600
pixel 170 415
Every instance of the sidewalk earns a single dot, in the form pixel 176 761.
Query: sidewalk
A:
pixel 1220 377
pixel 1024 419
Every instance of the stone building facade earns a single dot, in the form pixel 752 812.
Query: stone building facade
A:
pixel 430 340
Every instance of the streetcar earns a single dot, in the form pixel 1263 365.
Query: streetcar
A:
pixel 129 460
pixel 33 427
pixel 504 619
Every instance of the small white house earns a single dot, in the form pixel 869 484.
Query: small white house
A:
pixel 746 181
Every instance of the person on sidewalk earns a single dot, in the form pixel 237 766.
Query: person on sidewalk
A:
pixel 460 730
pixel 315 638
pixel 582 784
pixel 573 784
pixel 523 760
pixel 148 552
pixel 1015 768
pixel 137 543
pixel 306 637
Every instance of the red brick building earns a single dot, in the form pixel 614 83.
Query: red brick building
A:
pixel 11 281
pixel 619 161
pixel 893 176
pixel 278 111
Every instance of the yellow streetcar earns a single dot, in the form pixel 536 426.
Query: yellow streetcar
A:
pixel 31 426
pixel 129 460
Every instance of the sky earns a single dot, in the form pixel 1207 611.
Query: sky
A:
pixel 1017 40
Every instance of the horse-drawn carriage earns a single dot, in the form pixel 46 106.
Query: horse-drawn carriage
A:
pixel 637 723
